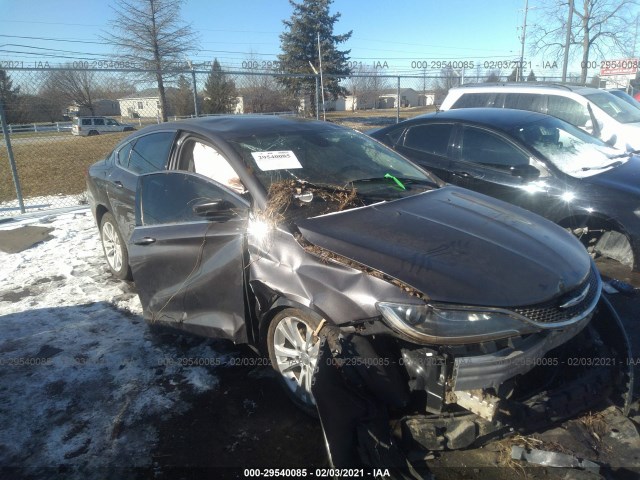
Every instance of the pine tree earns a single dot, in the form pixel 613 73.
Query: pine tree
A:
pixel 182 100
pixel 299 45
pixel 531 77
pixel 513 76
pixel 9 97
pixel 220 95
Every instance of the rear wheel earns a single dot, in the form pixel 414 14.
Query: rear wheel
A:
pixel 114 248
pixel 93 132
pixel 293 351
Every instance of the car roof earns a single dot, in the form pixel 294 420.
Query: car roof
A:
pixel 240 125
pixel 579 89
pixel 503 118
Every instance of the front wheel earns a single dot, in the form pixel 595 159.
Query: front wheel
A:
pixel 293 351
pixel 114 248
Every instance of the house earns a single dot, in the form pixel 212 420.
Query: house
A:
pixel 389 98
pixel 100 107
pixel 145 104
pixel 426 99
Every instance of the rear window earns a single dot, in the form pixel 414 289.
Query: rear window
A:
pixel 98 121
pixel 151 152
pixel 475 100
pixel 524 101
pixel 429 138
pixel 86 121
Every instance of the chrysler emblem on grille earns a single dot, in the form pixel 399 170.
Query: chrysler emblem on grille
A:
pixel 577 299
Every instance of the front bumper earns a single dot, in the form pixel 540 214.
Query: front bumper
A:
pixel 375 410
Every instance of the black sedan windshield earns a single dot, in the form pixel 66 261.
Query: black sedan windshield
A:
pixel 570 149
pixel 331 157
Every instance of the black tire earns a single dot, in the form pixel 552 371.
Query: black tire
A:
pixel 294 361
pixel 93 132
pixel 114 248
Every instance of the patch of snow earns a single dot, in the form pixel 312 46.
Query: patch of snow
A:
pixel 83 380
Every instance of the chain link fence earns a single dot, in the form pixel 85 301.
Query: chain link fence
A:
pixel 43 163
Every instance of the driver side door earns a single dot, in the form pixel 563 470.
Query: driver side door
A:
pixel 187 254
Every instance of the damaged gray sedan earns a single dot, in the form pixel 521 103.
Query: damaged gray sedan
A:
pixel 408 314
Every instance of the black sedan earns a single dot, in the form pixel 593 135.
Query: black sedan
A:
pixel 378 293
pixel 535 161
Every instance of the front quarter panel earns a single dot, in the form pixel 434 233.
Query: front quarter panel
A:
pixel 335 291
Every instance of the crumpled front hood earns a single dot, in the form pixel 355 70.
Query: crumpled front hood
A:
pixel 457 246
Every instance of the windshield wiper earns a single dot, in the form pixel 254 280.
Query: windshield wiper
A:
pixel 400 183
pixel 602 167
pixel 626 154
pixel 395 179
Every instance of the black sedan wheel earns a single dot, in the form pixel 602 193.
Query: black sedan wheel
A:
pixel 114 248
pixel 293 351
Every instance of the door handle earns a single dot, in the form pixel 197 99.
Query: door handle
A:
pixel 145 241
pixel 118 184
pixel 461 174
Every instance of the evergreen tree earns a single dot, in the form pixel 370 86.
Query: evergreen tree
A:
pixel 512 77
pixel 531 77
pixel 220 95
pixel 9 97
pixel 299 45
pixel 182 100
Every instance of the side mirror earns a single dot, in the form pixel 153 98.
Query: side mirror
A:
pixel 526 172
pixel 218 209
pixel 612 141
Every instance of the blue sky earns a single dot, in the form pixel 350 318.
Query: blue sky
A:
pixel 394 35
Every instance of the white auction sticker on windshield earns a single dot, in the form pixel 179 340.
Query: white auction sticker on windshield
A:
pixel 280 160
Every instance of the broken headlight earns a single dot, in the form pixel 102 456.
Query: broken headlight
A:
pixel 452 324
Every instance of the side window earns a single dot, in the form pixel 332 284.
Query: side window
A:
pixel 111 122
pixel 568 110
pixel 429 138
pixel 481 146
pixel 98 121
pixel 123 155
pixel 201 158
pixel 151 152
pixel 167 198
pixel 474 100
pixel 394 135
pixel 524 101
pixel 86 121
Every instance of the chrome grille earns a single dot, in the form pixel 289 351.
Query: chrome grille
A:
pixel 550 312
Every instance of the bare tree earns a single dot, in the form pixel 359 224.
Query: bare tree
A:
pixel 600 27
pixel 366 86
pixel 494 76
pixel 78 87
pixel 448 79
pixel 150 34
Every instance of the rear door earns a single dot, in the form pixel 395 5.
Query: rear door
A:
pixel 145 154
pixel 187 254
pixel 429 144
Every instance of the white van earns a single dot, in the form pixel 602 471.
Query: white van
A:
pixel 86 126
pixel 595 111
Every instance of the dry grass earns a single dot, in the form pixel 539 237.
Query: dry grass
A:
pixel 364 120
pixel 528 443
pixel 49 165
